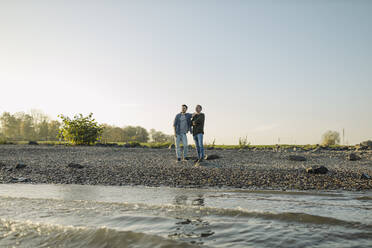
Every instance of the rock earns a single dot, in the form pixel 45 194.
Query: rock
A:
pixel 172 146
pixel 33 143
pixel 353 157
pixel 360 147
pixel 211 157
pixel 185 222
pixel 206 164
pixel 316 149
pixel 206 234
pixel 75 166
pixel 296 158
pixel 20 180
pixel 319 170
pixel 2 165
pixel 365 176
pixel 20 166
pixel 106 144
pixel 367 143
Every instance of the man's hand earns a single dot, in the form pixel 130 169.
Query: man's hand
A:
pixel 193 114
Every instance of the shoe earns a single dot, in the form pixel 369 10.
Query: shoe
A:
pixel 201 160
pixel 196 161
pixel 178 159
pixel 186 158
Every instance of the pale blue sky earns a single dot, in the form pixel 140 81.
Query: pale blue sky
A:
pixel 262 69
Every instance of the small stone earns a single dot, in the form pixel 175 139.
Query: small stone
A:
pixel 365 176
pixel 185 222
pixel 296 158
pixel 206 164
pixel 316 149
pixel 20 166
pixel 319 170
pixel 20 179
pixel 353 157
pixel 75 166
pixel 367 143
pixel 211 157
pixel 206 234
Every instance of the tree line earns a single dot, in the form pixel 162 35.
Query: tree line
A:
pixel 36 126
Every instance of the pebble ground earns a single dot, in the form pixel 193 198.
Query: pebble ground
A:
pixel 260 169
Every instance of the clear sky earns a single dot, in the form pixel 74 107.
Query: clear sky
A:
pixel 262 69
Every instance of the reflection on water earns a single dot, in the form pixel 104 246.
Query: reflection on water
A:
pixel 192 228
pixel 212 217
pixel 72 192
pixel 182 199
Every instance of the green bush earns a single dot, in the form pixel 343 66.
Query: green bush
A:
pixel 330 138
pixel 243 142
pixel 80 130
pixel 132 144
pixel 159 145
pixel 3 141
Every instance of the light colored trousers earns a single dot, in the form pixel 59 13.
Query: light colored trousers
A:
pixel 178 138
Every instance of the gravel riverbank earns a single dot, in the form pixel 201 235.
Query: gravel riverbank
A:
pixel 263 169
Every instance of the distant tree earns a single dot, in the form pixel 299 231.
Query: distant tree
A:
pixel 38 116
pixel 2 138
pixel 330 138
pixel 159 137
pixel 27 129
pixel 137 134
pixel 112 134
pixel 43 130
pixel 80 130
pixel 10 126
pixel 53 130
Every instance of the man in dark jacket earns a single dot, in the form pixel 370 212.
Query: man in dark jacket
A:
pixel 197 120
pixel 182 125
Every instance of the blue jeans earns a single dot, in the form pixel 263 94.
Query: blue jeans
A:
pixel 182 137
pixel 199 145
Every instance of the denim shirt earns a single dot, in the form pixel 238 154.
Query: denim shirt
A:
pixel 177 122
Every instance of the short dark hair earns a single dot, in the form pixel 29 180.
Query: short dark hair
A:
pixel 199 106
pixel 184 105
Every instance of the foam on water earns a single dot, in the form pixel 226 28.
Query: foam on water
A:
pixel 99 216
pixel 29 234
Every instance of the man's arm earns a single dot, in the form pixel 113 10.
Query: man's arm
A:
pixel 174 125
pixel 198 119
pixel 202 118
pixel 189 116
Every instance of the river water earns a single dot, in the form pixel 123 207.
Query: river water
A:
pixel 106 216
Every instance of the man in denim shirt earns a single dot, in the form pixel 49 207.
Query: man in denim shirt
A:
pixel 182 125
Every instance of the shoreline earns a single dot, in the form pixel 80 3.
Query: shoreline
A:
pixel 234 169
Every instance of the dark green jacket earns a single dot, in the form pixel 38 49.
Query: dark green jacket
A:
pixel 198 124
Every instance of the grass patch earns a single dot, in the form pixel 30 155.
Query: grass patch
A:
pixel 206 146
